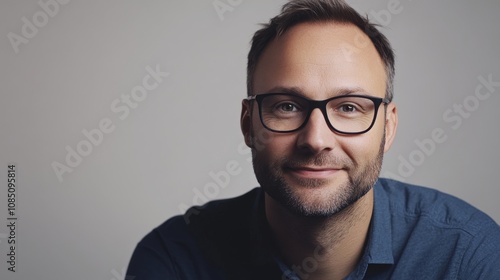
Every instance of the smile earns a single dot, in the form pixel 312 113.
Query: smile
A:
pixel 314 172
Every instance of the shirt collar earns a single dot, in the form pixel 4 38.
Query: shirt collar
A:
pixel 379 246
pixel 378 249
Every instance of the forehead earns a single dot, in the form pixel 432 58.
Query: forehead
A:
pixel 321 59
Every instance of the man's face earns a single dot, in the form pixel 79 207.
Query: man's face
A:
pixel 315 171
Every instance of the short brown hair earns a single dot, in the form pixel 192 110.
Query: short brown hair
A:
pixel 300 11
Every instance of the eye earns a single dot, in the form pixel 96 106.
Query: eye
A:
pixel 287 107
pixel 347 108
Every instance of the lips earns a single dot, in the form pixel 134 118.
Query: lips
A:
pixel 313 172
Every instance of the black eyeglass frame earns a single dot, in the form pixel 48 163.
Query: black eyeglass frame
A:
pixel 320 104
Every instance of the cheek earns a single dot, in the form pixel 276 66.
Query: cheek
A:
pixel 272 145
pixel 362 149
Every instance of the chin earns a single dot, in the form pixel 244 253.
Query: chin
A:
pixel 316 199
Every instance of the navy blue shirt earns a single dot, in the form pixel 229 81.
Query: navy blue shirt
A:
pixel 415 233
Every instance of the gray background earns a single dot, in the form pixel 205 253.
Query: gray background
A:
pixel 159 158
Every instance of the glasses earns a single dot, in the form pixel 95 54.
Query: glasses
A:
pixel 346 114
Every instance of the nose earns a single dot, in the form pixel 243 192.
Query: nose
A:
pixel 316 136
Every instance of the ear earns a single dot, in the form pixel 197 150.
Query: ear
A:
pixel 246 122
pixel 391 125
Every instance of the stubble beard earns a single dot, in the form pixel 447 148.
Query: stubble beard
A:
pixel 360 180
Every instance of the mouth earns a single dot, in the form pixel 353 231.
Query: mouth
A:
pixel 313 172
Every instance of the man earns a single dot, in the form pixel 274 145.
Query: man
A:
pixel 321 212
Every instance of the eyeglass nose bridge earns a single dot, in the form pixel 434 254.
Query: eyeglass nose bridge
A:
pixel 321 105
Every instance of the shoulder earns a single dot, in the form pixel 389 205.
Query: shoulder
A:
pixel 214 214
pixel 176 248
pixel 439 228
pixel 443 209
pixel 223 210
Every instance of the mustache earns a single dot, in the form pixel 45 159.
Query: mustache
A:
pixel 320 160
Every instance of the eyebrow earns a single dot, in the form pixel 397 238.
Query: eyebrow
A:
pixel 336 92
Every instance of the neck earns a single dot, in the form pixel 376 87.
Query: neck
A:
pixel 321 248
